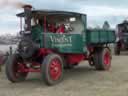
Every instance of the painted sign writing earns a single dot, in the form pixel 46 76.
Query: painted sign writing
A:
pixel 61 41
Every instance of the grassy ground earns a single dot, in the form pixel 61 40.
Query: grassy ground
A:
pixel 81 81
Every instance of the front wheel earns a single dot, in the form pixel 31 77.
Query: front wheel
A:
pixel 13 69
pixel 102 59
pixel 52 69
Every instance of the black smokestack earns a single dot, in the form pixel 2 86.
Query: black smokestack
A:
pixel 27 13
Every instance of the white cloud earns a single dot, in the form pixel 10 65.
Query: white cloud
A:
pixel 8 18
pixel 104 11
pixel 96 14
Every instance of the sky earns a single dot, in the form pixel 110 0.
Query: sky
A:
pixel 98 11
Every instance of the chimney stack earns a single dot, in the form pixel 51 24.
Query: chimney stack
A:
pixel 27 13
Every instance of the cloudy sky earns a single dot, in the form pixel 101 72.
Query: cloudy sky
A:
pixel 98 11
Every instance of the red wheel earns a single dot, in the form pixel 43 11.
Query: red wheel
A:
pixel 103 59
pixel 52 69
pixel 55 69
pixel 13 67
pixel 107 59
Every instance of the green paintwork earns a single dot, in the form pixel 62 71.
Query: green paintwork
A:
pixel 36 34
pixel 72 43
pixel 65 43
pixel 95 36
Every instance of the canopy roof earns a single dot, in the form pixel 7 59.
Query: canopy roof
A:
pixel 52 12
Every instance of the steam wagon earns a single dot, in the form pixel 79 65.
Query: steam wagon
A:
pixel 54 40
pixel 121 37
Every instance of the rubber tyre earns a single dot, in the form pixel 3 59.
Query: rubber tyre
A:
pixel 10 73
pixel 45 69
pixel 99 58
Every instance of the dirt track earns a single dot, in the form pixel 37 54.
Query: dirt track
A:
pixel 81 81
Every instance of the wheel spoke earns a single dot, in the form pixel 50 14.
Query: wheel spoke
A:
pixel 55 69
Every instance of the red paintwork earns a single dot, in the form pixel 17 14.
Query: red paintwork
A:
pixel 24 68
pixel 41 53
pixel 44 52
pixel 61 29
pixel 18 68
pixel 75 58
pixel 51 28
pixel 55 64
pixel 55 69
pixel 107 58
pixel 71 58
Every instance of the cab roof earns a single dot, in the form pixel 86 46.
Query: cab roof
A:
pixel 52 12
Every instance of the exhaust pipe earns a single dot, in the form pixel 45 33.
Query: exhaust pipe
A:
pixel 27 13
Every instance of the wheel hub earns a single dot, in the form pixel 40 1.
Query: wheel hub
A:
pixel 55 69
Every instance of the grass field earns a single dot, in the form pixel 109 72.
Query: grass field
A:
pixel 80 81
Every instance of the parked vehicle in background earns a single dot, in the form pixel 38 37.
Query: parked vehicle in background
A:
pixel 121 37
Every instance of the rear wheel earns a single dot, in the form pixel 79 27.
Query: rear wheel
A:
pixel 52 69
pixel 102 59
pixel 13 67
